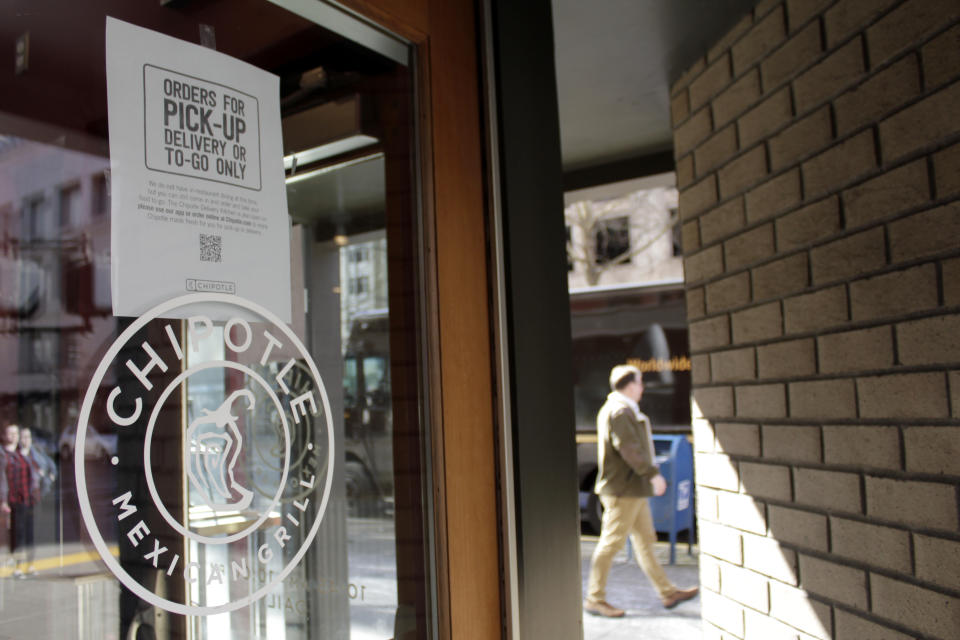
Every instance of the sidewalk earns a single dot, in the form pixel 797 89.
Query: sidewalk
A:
pixel 628 588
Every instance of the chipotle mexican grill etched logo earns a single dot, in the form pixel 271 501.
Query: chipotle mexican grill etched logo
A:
pixel 222 472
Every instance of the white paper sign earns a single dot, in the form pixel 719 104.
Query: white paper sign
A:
pixel 196 158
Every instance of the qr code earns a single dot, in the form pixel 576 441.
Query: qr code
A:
pixel 210 246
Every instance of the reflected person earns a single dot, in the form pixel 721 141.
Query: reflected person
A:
pixel 22 488
pixel 627 476
pixel 44 468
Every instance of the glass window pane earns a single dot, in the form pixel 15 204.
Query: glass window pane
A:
pixel 199 479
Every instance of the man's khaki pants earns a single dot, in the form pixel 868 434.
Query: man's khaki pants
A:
pixel 624 516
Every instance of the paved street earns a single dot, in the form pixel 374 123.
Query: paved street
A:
pixel 629 589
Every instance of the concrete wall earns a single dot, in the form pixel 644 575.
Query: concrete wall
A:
pixel 819 167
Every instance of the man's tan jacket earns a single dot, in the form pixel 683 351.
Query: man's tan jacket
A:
pixel 624 450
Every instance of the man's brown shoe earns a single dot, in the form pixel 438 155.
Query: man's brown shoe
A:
pixel 679 596
pixel 602 608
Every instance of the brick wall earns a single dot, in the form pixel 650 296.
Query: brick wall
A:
pixel 818 158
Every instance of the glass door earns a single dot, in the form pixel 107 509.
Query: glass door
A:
pixel 182 474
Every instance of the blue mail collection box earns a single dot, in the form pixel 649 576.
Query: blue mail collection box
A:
pixel 673 511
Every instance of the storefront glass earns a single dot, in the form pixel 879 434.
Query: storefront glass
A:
pixel 245 477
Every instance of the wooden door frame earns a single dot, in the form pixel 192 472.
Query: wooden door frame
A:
pixel 460 365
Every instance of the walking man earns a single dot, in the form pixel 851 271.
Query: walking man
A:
pixel 627 476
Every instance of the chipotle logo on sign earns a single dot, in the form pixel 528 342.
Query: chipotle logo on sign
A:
pixel 222 475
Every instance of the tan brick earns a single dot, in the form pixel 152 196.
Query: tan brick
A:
pixel 690 236
pixel 786 359
pixel 862 446
pixel 766 34
pixel 906 25
pixel 835 581
pixel 761 401
pixel 938 560
pixel 946 165
pixel 715 402
pixel 933 449
pixel 698 197
pixel 716 150
pixel 733 365
pixel 696 307
pixel 799 11
pixel 721 542
pixel 741 512
pixel 887 195
pixel 739 97
pixel 849 257
pixel 692 132
pixel 941 58
pixel 816 311
pixel 706 504
pixel 680 107
pixel 793 606
pixel 781 278
pixel 711 631
pixel 823 399
pixel 703 264
pixel 746 587
pixel 749 247
pixel 848 16
pixel 905 395
pixel 728 293
pixel 722 45
pixel 771 481
pixel 687 76
pixel 926 233
pixel 871 544
pixel 954 379
pixel 723 613
pixel 894 293
pixel 839 165
pixel 700 369
pixel 738 439
pixel 704 437
pixel 761 8
pixel 929 612
pixel 794 526
pixel 832 490
pixel 813 222
pixel 685 171
pixel 852 627
pixel 878 96
pixel 798 51
pixel 707 334
pixel 792 443
pixel 861 350
pixel 744 171
pixel 710 82
pixel 933 340
pixel 717 471
pixel 774 196
pixel 951 282
pixel 837 72
pixel 766 556
pixel 760 626
pixel 799 140
pixel 919 504
pixel 767 117
pixel 757 323
pixel 921 125
pixel 722 221
pixel 710 573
